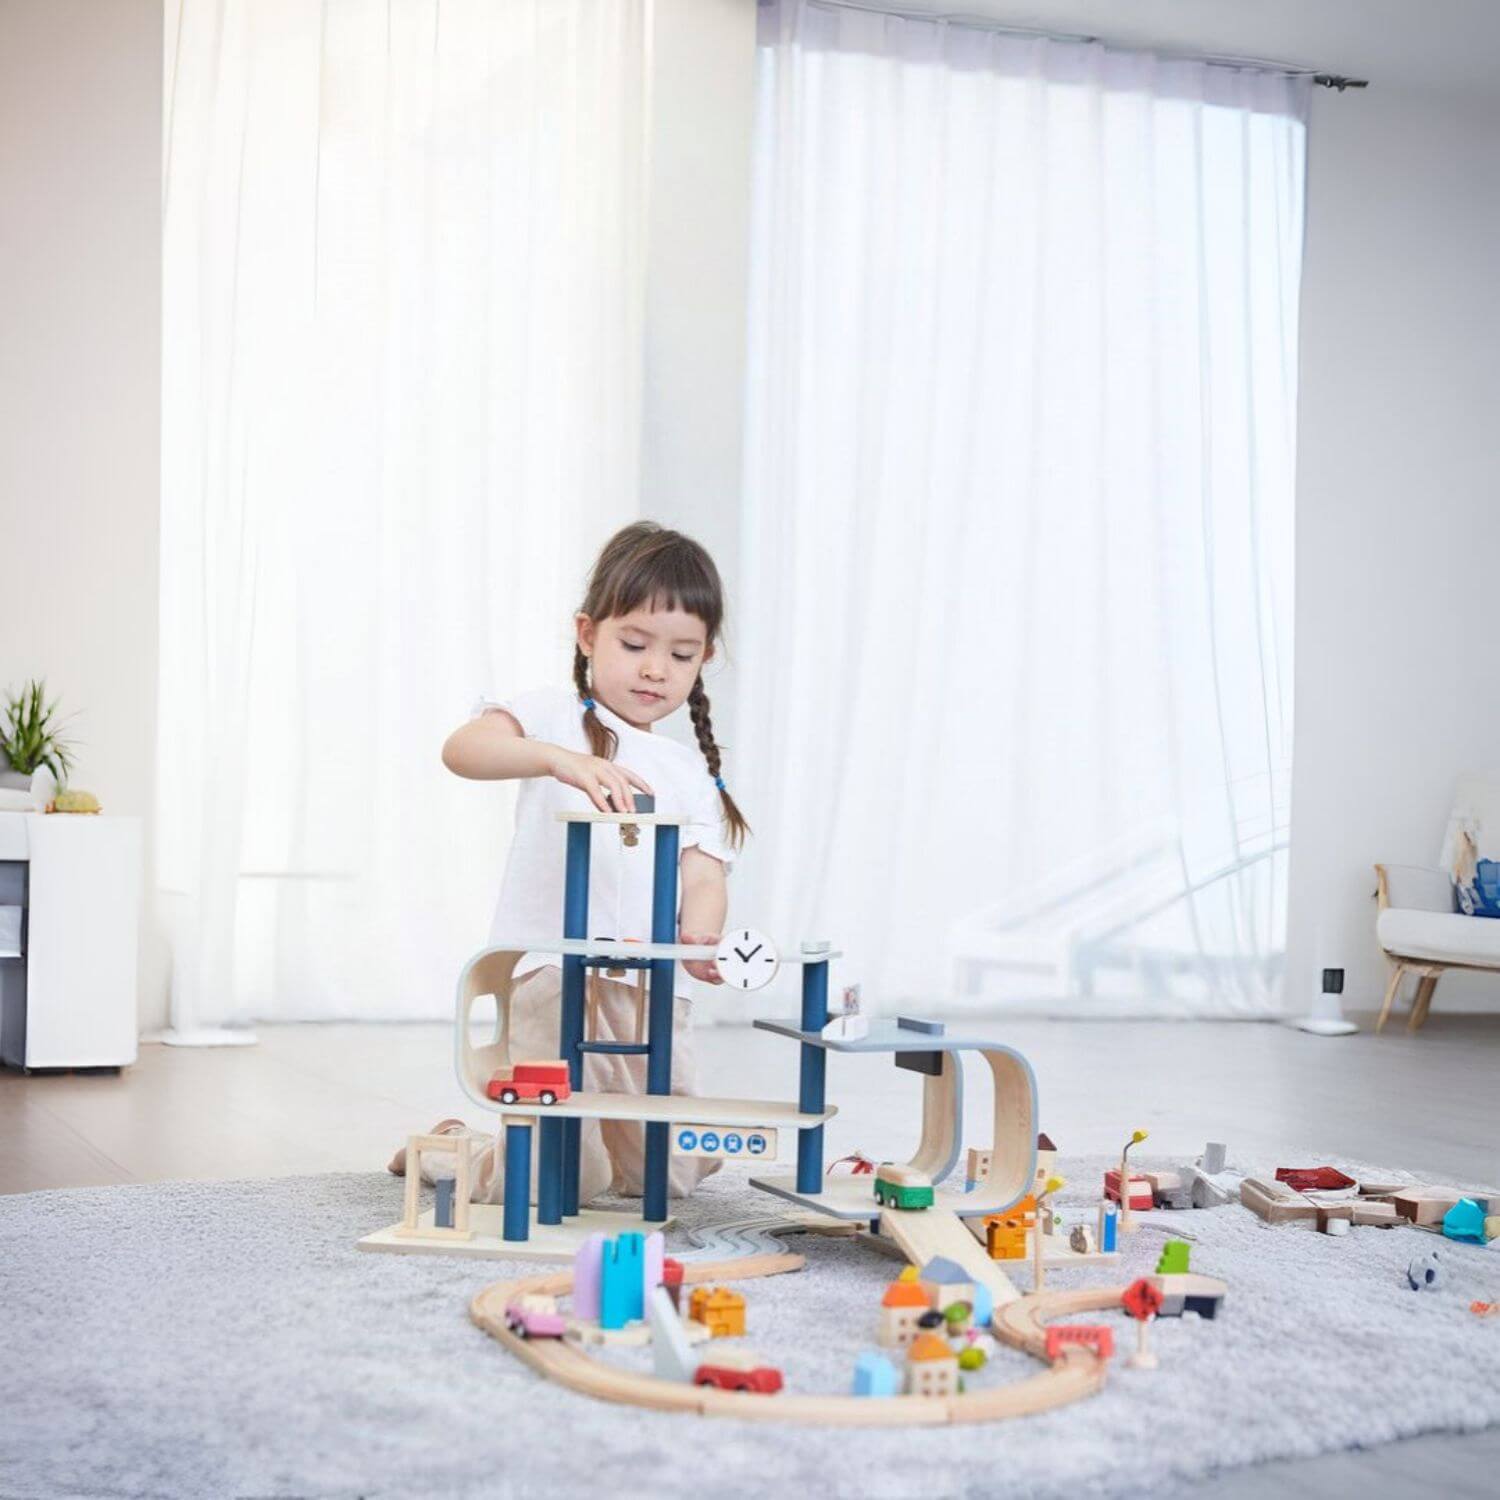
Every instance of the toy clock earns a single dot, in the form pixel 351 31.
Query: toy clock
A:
pixel 747 959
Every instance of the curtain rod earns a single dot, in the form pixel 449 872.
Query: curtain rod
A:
pixel 989 23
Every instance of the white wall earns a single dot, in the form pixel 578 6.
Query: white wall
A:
pixel 80 276
pixel 1398 529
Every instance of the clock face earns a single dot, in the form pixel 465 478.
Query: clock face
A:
pixel 747 959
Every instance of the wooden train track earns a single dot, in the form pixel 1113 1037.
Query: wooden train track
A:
pixel 1078 1373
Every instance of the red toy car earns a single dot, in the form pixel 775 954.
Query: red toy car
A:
pixel 736 1371
pixel 531 1083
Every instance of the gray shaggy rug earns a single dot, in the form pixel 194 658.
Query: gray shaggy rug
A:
pixel 196 1339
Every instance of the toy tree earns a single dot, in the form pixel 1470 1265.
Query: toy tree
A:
pixel 1142 1300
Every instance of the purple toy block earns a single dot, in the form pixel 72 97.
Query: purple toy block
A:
pixel 587 1271
pixel 655 1253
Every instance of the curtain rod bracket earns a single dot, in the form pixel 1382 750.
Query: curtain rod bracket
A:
pixel 1339 82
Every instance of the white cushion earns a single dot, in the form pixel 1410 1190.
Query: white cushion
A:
pixel 1441 936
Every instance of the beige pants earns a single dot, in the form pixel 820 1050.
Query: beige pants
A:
pixel 612 1153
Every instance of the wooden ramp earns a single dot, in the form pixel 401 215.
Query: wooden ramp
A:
pixel 922 1233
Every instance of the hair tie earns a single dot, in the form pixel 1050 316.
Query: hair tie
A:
pixel 719 782
pixel 588 705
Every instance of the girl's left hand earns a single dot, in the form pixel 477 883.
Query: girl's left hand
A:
pixel 702 968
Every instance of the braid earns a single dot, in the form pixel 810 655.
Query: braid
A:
pixel 704 729
pixel 603 741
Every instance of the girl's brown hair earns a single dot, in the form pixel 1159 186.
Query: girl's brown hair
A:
pixel 645 564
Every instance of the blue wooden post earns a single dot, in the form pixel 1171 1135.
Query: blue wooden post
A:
pixel 517 1180
pixel 559 1154
pixel 659 1018
pixel 814 1068
pixel 549 1172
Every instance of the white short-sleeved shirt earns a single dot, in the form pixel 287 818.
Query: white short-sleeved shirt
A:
pixel 531 891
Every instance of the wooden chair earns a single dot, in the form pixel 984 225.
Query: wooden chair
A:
pixel 1422 933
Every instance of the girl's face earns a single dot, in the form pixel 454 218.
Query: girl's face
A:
pixel 646 662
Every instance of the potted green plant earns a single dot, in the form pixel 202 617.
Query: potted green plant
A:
pixel 31 739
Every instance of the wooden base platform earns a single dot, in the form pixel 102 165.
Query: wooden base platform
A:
pixel 557 1242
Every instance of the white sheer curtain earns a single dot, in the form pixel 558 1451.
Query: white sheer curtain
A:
pixel 403 298
pixel 1015 632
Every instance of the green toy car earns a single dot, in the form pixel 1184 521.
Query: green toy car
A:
pixel 902 1187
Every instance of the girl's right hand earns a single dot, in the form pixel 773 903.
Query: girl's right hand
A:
pixel 605 783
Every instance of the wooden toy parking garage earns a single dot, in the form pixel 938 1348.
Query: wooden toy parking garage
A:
pixel 907 1207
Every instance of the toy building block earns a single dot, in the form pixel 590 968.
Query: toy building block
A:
pixel 1425 1205
pixel 672 1356
pixel 1371 1211
pixel 1186 1291
pixel 1004 1242
pixel 945 1282
pixel 1464 1221
pixel 1424 1273
pixel 442 1203
pixel 1109 1227
pixel 875 1375
pixel 1081 1240
pixel 588 1273
pixel 719 1310
pixel 1204 1191
pixel 1314 1179
pixel 931 1367
pixel 1336 1225
pixel 622 1297
pixel 1174 1258
pixel 1140 1189
pixel 1275 1202
pixel 1491 1227
pixel 1215 1153
pixel 654 1259
pixel 901 1310
pixel 976 1168
pixel 972 1358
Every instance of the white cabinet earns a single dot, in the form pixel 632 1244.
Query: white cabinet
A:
pixel 68 1000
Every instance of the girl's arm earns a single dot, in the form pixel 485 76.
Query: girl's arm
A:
pixel 494 747
pixel 705 900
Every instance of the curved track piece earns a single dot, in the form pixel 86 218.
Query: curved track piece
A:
pixel 1079 1373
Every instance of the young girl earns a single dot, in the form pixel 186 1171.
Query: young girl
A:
pixel 648 625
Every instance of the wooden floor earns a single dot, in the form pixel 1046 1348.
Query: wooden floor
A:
pixel 341 1098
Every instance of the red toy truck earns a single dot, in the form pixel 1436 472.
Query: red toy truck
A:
pixel 531 1083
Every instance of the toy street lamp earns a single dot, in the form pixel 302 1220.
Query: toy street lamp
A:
pixel 1038 1271
pixel 1127 1224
